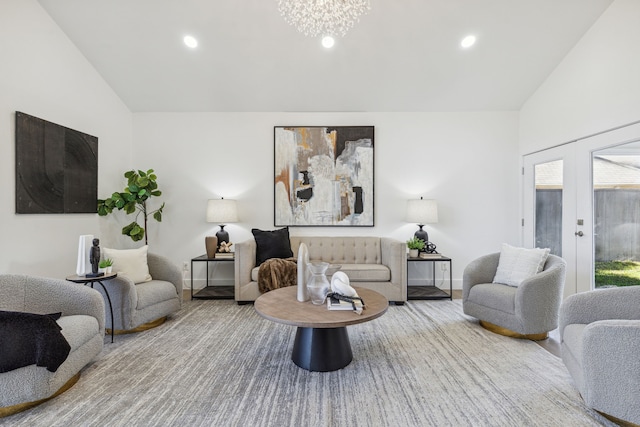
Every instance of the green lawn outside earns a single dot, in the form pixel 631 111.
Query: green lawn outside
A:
pixel 617 273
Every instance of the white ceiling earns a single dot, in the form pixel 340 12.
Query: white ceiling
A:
pixel 404 55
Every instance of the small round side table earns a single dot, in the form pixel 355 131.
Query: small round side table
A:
pixel 90 281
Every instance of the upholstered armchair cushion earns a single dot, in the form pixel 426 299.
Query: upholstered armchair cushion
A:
pixel 517 264
pixel 130 262
pixel 531 308
pixel 600 346
pixel 137 304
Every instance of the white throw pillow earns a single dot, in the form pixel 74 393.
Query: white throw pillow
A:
pixel 517 264
pixel 130 262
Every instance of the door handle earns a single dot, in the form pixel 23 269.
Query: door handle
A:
pixel 579 233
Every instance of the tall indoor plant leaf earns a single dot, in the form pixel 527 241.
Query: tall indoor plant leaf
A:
pixel 141 186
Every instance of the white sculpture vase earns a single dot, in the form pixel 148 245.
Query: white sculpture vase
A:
pixel 83 265
pixel 303 259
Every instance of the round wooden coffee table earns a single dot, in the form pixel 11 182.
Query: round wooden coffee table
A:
pixel 322 343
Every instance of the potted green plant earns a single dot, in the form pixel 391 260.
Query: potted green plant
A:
pixel 106 265
pixel 141 186
pixel 415 245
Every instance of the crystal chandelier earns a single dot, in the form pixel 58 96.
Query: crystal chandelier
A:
pixel 323 17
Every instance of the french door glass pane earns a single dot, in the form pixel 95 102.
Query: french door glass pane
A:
pixel 616 195
pixel 548 203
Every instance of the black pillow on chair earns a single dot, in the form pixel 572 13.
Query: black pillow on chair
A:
pixel 272 244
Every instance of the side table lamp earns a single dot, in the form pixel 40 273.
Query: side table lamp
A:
pixel 423 211
pixel 221 211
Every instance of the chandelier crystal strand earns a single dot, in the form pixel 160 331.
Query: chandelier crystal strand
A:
pixel 323 17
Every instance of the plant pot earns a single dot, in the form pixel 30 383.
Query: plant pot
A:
pixel 413 253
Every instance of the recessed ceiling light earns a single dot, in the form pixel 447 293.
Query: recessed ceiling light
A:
pixel 190 41
pixel 328 42
pixel 468 41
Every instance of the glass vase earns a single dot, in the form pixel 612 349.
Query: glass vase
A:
pixel 318 285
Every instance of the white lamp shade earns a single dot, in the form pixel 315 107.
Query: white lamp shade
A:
pixel 422 211
pixel 222 211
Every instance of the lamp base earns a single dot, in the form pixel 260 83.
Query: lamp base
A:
pixel 421 234
pixel 222 236
pixel 429 247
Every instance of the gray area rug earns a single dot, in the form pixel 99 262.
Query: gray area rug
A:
pixel 219 364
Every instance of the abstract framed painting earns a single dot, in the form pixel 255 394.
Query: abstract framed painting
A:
pixel 324 176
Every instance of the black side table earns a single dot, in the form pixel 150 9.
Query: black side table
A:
pixel 90 281
pixel 212 292
pixel 430 292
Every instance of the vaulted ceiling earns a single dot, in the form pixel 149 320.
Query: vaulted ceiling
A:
pixel 404 55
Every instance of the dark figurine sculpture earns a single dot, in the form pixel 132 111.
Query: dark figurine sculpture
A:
pixel 94 257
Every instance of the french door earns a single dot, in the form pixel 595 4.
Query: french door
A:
pixel 560 195
pixel 551 217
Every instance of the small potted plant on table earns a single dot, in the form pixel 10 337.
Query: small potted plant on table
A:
pixel 415 245
pixel 106 265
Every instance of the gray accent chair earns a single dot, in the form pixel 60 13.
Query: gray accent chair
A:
pixel 82 322
pixel 137 307
pixel 530 310
pixel 600 346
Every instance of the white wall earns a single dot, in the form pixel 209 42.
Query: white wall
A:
pixel 44 75
pixel 595 88
pixel 467 161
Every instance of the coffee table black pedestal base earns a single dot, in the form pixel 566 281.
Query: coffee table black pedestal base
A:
pixel 322 349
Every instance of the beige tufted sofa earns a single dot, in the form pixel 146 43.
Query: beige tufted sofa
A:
pixel 377 263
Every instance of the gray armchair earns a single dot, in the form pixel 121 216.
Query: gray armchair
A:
pixel 527 311
pixel 600 346
pixel 82 324
pixel 137 307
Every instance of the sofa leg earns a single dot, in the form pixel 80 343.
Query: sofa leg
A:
pixel 244 302
pixel 398 302
pixel 513 334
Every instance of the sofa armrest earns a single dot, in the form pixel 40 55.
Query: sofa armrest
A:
pixel 601 304
pixel 245 261
pixel 480 270
pixel 394 255
pixel 161 268
pixel 611 367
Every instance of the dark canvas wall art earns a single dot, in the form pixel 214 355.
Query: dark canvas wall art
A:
pixel 323 176
pixel 56 168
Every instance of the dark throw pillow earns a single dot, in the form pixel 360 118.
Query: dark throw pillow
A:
pixel 29 338
pixel 272 244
